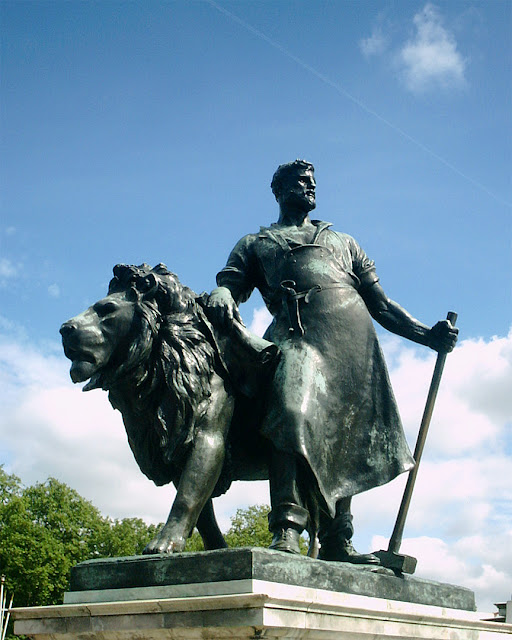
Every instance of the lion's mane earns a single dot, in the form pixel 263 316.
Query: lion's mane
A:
pixel 160 381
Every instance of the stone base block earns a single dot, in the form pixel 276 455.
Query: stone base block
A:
pixel 259 610
pixel 253 593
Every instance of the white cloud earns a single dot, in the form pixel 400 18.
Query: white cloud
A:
pixel 261 319
pixel 374 44
pixel 474 402
pixel 240 495
pixel 463 562
pixel 15 332
pixel 460 520
pixel 54 290
pixel 50 428
pixel 431 58
pixel 7 269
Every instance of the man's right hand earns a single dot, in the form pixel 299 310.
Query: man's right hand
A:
pixel 443 336
pixel 221 308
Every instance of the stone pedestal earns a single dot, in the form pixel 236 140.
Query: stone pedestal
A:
pixel 253 593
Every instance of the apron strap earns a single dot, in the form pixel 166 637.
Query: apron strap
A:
pixel 276 237
pixel 320 226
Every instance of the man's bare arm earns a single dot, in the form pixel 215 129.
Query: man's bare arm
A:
pixel 388 313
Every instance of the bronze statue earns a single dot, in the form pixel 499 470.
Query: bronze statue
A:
pixel 188 419
pixel 205 402
pixel 330 414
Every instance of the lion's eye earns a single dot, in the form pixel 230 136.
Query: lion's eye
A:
pixel 104 308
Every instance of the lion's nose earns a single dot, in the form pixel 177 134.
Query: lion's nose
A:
pixel 67 328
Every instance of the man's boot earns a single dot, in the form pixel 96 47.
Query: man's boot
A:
pixel 336 543
pixel 287 521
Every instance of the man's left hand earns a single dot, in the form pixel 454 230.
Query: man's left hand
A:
pixel 443 336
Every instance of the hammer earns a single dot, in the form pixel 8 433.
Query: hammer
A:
pixel 391 559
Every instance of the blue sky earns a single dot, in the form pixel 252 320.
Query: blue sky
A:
pixel 149 132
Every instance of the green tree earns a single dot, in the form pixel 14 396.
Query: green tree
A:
pixel 47 528
pixel 249 527
pixel 127 537
pixel 10 486
pixel 195 542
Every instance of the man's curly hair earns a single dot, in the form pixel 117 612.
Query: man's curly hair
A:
pixel 285 171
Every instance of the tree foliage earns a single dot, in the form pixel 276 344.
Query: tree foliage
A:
pixel 47 528
pixel 249 527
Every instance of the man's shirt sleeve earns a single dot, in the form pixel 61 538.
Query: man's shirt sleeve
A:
pixel 239 273
pixel 363 267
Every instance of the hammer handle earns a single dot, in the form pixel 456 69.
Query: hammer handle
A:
pixel 396 537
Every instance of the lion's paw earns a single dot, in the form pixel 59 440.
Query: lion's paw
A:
pixel 164 545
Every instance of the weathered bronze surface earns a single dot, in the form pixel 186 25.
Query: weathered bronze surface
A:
pixel 204 402
pixel 185 391
pixel 234 565
pixel 330 414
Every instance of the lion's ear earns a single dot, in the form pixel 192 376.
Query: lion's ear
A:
pixel 120 270
pixel 148 285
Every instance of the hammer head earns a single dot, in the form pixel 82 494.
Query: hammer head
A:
pixel 396 561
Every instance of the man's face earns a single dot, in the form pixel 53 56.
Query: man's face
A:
pixel 299 190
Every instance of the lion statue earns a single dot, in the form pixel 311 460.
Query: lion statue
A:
pixel 188 394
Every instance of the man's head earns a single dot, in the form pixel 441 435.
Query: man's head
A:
pixel 294 182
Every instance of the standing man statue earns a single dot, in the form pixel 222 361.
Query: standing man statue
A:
pixel 330 414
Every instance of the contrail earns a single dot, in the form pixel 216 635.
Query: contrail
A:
pixel 339 89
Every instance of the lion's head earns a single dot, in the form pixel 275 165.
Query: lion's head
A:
pixel 114 334
pixel 144 343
